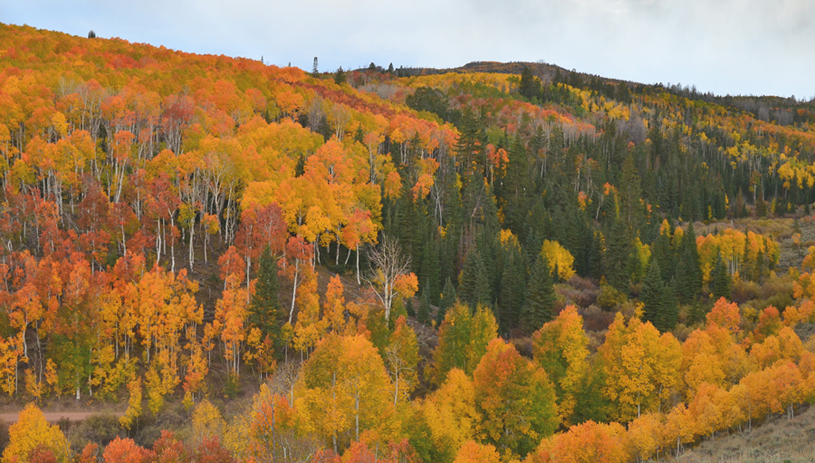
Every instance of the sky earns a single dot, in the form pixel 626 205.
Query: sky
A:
pixel 737 47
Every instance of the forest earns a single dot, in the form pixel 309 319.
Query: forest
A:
pixel 237 262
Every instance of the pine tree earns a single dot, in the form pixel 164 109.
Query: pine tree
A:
pixel 471 143
pixel 410 307
pixel 490 250
pixel 760 265
pixel 688 272
pixel 429 269
pixel 721 280
pixel 670 309
pixel 617 256
pixel 516 187
pixel 540 296
pixel 478 204
pixel 474 288
pixel 448 298
pixel 423 314
pixel 651 295
pixel 630 195
pixel 340 77
pixel 513 286
pixel 529 86
pixel 532 247
pixel 663 252
pixel 746 267
pixel 265 311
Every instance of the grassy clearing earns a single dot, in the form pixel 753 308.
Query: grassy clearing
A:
pixel 778 441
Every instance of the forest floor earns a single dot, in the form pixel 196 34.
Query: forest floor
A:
pixel 778 440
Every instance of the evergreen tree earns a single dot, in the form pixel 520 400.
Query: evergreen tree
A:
pixel 670 309
pixel 452 213
pixel 423 314
pixel 688 271
pixel 529 87
pixel 721 280
pixel 448 298
pixel 516 187
pixel 340 77
pixel 410 307
pixel 429 271
pixel 471 143
pixel 617 255
pixel 594 259
pixel 651 294
pixel 532 247
pixel 663 252
pixel 300 167
pixel 760 265
pixel 630 195
pixel 746 267
pixel 265 311
pixel 658 297
pixel 536 146
pixel 540 296
pixel 513 286
pixel 474 288
pixel 490 250
pixel 478 205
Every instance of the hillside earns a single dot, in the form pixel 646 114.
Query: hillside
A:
pixel 500 262
pixel 780 440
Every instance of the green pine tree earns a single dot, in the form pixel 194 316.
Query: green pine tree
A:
pixel 423 314
pixel 721 280
pixel 475 287
pixel 631 209
pixel 530 86
pixel 513 286
pixel 471 143
pixel 516 187
pixel 429 270
pixel 746 267
pixel 760 265
pixel 616 259
pixel 663 252
pixel 540 297
pixel 340 77
pixel 670 309
pixel 688 271
pixel 265 311
pixel 651 294
pixel 448 298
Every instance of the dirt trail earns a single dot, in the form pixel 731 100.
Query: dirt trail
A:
pixel 53 417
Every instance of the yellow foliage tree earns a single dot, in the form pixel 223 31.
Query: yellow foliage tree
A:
pixel 346 389
pixel 560 260
pixel 134 408
pixel 450 412
pixel 471 452
pixel 642 367
pixel 560 347
pixel 207 421
pixel 31 431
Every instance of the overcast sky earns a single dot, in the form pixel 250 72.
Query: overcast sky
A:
pixel 760 47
